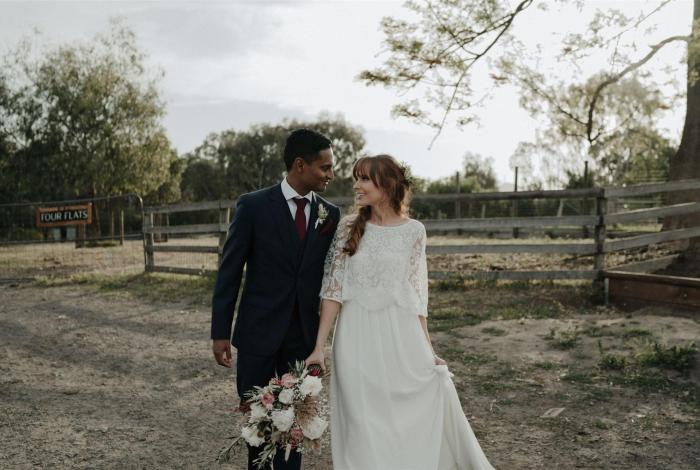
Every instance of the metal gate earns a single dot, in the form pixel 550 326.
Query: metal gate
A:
pixel 63 238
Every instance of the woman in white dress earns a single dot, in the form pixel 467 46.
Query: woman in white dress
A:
pixel 393 403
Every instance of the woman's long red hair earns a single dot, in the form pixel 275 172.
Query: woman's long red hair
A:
pixel 389 176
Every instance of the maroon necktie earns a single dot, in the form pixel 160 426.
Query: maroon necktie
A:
pixel 300 217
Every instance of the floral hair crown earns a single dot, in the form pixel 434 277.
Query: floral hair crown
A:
pixel 407 176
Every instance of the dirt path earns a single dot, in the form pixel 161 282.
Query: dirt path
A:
pixel 102 379
pixel 93 380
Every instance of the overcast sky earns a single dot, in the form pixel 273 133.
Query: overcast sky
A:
pixel 230 64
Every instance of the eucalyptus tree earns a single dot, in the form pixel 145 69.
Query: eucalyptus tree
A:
pixel 85 119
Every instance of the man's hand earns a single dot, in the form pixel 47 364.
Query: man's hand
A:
pixel 222 352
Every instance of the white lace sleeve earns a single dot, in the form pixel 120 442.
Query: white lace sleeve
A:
pixel 334 267
pixel 418 275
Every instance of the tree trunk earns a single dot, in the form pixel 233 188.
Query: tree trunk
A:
pixel 686 162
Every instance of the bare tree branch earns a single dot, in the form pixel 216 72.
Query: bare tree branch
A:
pixel 509 21
pixel 617 77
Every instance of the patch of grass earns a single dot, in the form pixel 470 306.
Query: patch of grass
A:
pixel 519 285
pixel 678 357
pixel 447 318
pixel 455 283
pixel 644 378
pixel 596 393
pixel 547 365
pixel 600 424
pixel 498 378
pixel 562 340
pixel 494 331
pixel 580 355
pixel 150 286
pixel 486 283
pixel 457 354
pixel 9 263
pixel 637 333
pixel 612 362
pixel 101 243
pixel 597 331
pixel 578 376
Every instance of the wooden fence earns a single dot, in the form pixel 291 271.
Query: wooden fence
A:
pixel 600 219
pixel 150 230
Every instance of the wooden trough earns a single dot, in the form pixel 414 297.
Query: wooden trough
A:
pixel 629 287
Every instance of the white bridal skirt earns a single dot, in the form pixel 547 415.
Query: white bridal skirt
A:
pixel 392 408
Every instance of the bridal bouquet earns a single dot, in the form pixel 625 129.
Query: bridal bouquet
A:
pixel 285 414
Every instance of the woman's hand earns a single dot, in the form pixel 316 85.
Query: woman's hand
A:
pixel 439 361
pixel 317 357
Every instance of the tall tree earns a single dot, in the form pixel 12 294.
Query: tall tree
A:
pixel 252 159
pixel 85 120
pixel 479 174
pixel 686 161
pixel 626 145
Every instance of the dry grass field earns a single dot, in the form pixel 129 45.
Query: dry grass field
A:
pixel 115 371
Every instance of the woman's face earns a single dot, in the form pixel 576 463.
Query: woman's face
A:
pixel 366 192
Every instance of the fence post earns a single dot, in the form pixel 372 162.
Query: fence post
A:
pixel 148 237
pixel 599 235
pixel 458 204
pixel 224 214
pixel 111 222
pixel 121 227
pixel 514 206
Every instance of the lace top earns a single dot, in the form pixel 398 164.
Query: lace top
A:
pixel 388 268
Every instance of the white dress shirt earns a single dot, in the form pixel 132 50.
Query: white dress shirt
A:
pixel 289 194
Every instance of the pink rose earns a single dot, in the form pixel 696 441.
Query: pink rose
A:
pixel 288 380
pixel 267 400
pixel 297 436
pixel 275 381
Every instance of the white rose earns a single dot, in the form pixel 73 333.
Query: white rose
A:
pixel 286 396
pixel 314 429
pixel 250 434
pixel 283 419
pixel 311 386
pixel 257 411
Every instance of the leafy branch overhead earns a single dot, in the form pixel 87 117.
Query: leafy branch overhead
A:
pixel 432 58
pixel 439 50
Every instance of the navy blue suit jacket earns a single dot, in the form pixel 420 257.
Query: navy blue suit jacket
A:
pixel 281 271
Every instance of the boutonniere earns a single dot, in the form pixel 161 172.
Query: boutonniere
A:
pixel 322 214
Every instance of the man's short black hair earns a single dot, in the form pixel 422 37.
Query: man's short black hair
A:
pixel 306 144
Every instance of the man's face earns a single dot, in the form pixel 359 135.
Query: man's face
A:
pixel 317 174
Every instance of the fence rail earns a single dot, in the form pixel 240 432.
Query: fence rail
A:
pixel 600 221
pixel 150 231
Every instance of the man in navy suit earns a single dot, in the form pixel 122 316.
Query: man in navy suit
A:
pixel 281 235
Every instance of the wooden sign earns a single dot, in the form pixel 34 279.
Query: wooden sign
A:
pixel 62 216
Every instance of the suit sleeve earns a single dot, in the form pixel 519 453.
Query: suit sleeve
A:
pixel 228 279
